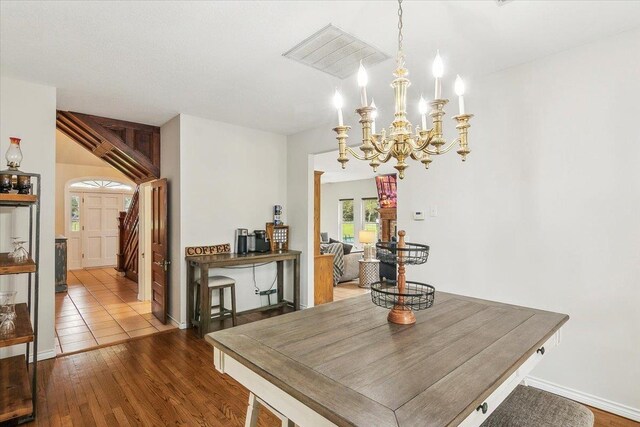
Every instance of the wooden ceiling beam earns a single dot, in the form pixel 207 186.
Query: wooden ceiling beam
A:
pixel 100 135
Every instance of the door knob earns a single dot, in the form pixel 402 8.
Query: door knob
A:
pixel 164 264
pixel 484 408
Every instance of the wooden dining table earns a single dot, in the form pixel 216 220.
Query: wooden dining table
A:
pixel 344 364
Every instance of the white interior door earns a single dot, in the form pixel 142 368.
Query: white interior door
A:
pixel 99 221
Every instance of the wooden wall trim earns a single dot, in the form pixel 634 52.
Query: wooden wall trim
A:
pixel 323 279
pixel 317 210
pixel 323 264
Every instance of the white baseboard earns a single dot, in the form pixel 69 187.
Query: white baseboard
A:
pixel 48 354
pixel 43 355
pixel 177 324
pixel 587 399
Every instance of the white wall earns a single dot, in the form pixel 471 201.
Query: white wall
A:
pixel 300 149
pixel 230 177
pixel 28 111
pixel 546 211
pixel 332 193
pixel 170 169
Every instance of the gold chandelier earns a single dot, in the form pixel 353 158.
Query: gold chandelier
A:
pixel 398 142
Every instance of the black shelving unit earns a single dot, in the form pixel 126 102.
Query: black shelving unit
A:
pixel 18 378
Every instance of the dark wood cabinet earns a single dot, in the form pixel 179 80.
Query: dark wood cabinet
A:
pixel 61 264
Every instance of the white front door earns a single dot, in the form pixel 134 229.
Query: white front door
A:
pixel 99 226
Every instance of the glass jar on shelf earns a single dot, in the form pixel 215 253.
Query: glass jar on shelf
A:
pixel 7 312
pixel 20 254
pixel 14 243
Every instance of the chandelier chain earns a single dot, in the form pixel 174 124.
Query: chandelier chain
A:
pixel 400 36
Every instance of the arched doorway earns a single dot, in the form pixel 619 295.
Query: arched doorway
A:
pixel 92 206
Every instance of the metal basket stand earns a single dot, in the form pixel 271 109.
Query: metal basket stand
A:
pixel 399 314
pixel 403 300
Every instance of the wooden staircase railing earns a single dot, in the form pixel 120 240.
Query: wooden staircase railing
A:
pixel 128 224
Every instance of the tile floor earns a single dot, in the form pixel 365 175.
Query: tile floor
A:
pixel 101 307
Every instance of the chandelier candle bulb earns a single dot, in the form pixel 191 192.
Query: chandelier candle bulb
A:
pixel 438 71
pixel 374 114
pixel 459 89
pixel 337 101
pixel 362 82
pixel 422 107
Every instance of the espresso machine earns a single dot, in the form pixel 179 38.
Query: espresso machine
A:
pixel 262 243
pixel 242 244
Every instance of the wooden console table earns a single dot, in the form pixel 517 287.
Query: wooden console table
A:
pixel 204 263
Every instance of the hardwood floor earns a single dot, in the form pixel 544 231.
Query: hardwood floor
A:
pixel 162 379
pixel 248 318
pixel 605 419
pixel 348 290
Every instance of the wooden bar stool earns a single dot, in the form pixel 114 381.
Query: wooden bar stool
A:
pixel 219 283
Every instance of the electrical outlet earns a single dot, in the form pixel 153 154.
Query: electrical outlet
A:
pixel 256 291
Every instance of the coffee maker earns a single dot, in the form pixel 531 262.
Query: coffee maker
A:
pixel 261 241
pixel 242 246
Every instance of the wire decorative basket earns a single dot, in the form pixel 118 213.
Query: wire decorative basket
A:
pixel 410 253
pixel 416 295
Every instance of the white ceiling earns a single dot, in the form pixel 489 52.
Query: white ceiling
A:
pixel 147 61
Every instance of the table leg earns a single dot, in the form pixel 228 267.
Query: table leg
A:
pixel 296 283
pixel 253 409
pixel 280 268
pixel 259 403
pixel 205 308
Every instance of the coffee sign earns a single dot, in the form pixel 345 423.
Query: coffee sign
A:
pixel 207 250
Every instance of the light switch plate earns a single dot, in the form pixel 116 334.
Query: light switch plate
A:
pixel 418 216
pixel 433 211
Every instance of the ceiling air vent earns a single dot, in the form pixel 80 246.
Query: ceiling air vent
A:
pixel 335 52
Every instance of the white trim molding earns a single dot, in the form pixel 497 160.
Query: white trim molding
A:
pixel 43 355
pixel 587 399
pixel 177 324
